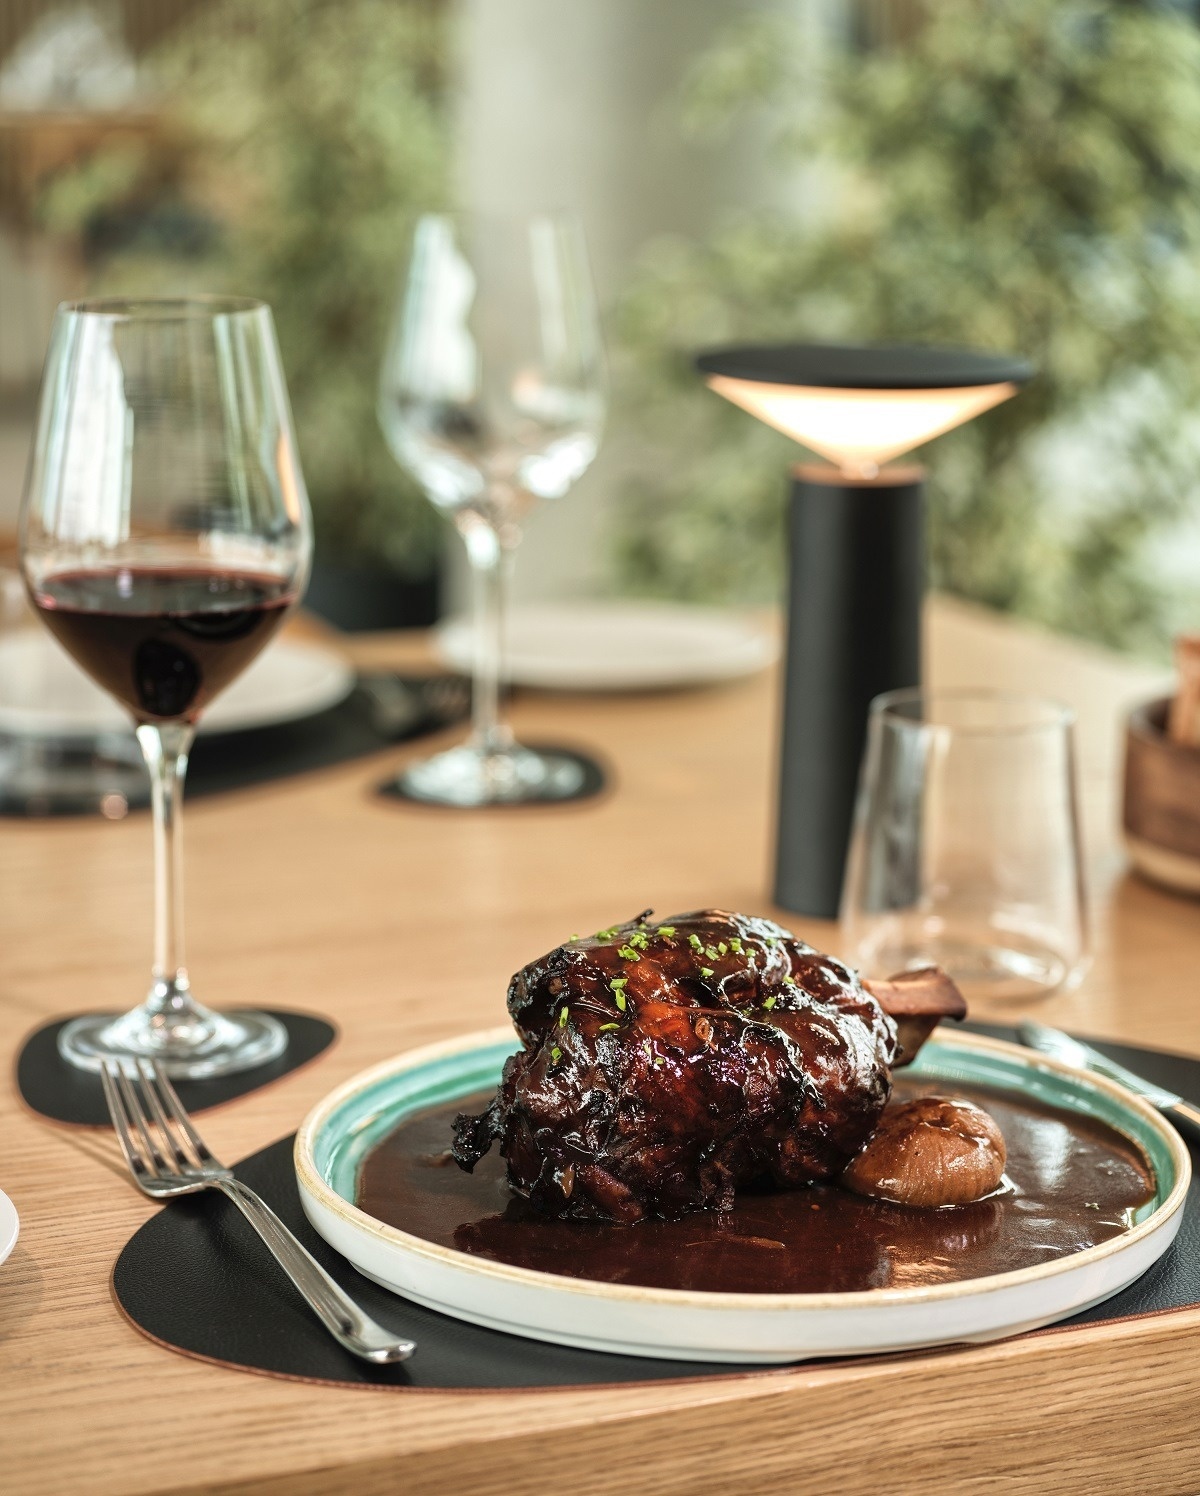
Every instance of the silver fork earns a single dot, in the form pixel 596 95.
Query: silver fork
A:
pixel 184 1164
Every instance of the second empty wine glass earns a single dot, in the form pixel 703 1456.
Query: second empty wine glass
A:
pixel 966 850
pixel 164 534
pixel 492 396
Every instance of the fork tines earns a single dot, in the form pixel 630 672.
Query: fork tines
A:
pixel 137 1118
pixel 167 1157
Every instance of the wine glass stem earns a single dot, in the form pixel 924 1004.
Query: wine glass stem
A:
pixel 491 566
pixel 165 749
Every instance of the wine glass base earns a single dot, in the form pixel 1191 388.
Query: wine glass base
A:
pixel 985 971
pixel 223 1044
pixel 467 777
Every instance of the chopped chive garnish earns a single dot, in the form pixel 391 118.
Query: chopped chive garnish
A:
pixel 606 1028
pixel 711 952
pixel 646 1047
pixel 789 980
pixel 620 996
pixel 573 937
pixel 666 930
pixel 606 934
pixel 706 971
pixel 735 945
pixel 722 949
pixel 628 953
pixel 562 1016
pixel 618 982
pixel 555 1054
pixel 695 942
pixel 769 1002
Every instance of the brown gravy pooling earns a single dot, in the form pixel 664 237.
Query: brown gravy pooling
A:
pixel 1075 1182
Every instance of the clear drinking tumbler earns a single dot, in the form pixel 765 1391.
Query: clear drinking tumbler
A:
pixel 965 851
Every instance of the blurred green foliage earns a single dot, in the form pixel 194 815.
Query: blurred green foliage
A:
pixel 302 139
pixel 1014 175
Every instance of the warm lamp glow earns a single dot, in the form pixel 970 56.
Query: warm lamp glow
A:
pixel 860 429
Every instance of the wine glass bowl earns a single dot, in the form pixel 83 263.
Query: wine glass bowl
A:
pixel 492 395
pixel 164 536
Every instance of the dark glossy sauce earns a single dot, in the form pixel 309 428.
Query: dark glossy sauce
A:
pixel 1074 1183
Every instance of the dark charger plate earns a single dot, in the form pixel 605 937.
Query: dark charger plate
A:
pixel 198 1280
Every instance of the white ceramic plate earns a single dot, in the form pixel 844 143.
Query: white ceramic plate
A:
pixel 9 1226
pixel 619 646
pixel 735 1327
pixel 43 693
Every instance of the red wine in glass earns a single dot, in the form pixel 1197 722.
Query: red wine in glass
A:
pixel 165 532
pixel 163 640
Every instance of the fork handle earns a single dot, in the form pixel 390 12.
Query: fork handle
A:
pixel 1185 1116
pixel 340 1315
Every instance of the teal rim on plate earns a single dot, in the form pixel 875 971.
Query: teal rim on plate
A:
pixel 690 1324
pixel 1073 1091
pixel 352 1129
pixel 366 1113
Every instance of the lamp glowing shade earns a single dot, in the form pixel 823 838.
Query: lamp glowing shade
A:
pixel 860 430
pixel 856 554
pixel 859 406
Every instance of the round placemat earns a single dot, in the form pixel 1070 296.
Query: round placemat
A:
pixel 383 709
pixel 594 780
pixel 197 1279
pixel 48 1085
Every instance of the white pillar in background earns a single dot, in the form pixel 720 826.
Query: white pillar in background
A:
pixel 573 104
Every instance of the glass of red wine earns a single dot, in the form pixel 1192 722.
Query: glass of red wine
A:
pixel 165 533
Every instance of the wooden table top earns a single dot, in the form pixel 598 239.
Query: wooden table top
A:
pixel 404 924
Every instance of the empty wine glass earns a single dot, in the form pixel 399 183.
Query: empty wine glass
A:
pixel 492 396
pixel 164 534
pixel 966 850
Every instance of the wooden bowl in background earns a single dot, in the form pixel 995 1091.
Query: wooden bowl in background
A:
pixel 1161 813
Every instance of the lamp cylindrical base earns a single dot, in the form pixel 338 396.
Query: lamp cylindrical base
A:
pixel 856 582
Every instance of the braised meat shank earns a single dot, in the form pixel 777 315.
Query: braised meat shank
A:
pixel 666 1064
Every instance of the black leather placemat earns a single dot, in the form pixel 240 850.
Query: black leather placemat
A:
pixel 197 1279
pixel 594 780
pixel 48 1085
pixel 383 709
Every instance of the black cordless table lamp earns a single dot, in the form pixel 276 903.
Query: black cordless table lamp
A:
pixel 857 560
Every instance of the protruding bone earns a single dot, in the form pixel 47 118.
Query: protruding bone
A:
pixel 917 1001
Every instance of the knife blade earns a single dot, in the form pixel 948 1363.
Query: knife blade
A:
pixel 1075 1052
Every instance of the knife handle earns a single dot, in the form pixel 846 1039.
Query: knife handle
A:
pixel 1185 1116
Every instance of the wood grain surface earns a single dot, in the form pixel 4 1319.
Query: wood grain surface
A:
pixel 404 925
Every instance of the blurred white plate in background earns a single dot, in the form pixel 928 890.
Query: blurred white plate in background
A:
pixel 9 1226
pixel 619 646
pixel 44 693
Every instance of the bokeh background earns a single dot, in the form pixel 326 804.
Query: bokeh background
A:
pixel 1012 174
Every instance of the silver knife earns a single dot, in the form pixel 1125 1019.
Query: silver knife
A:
pixel 1073 1052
